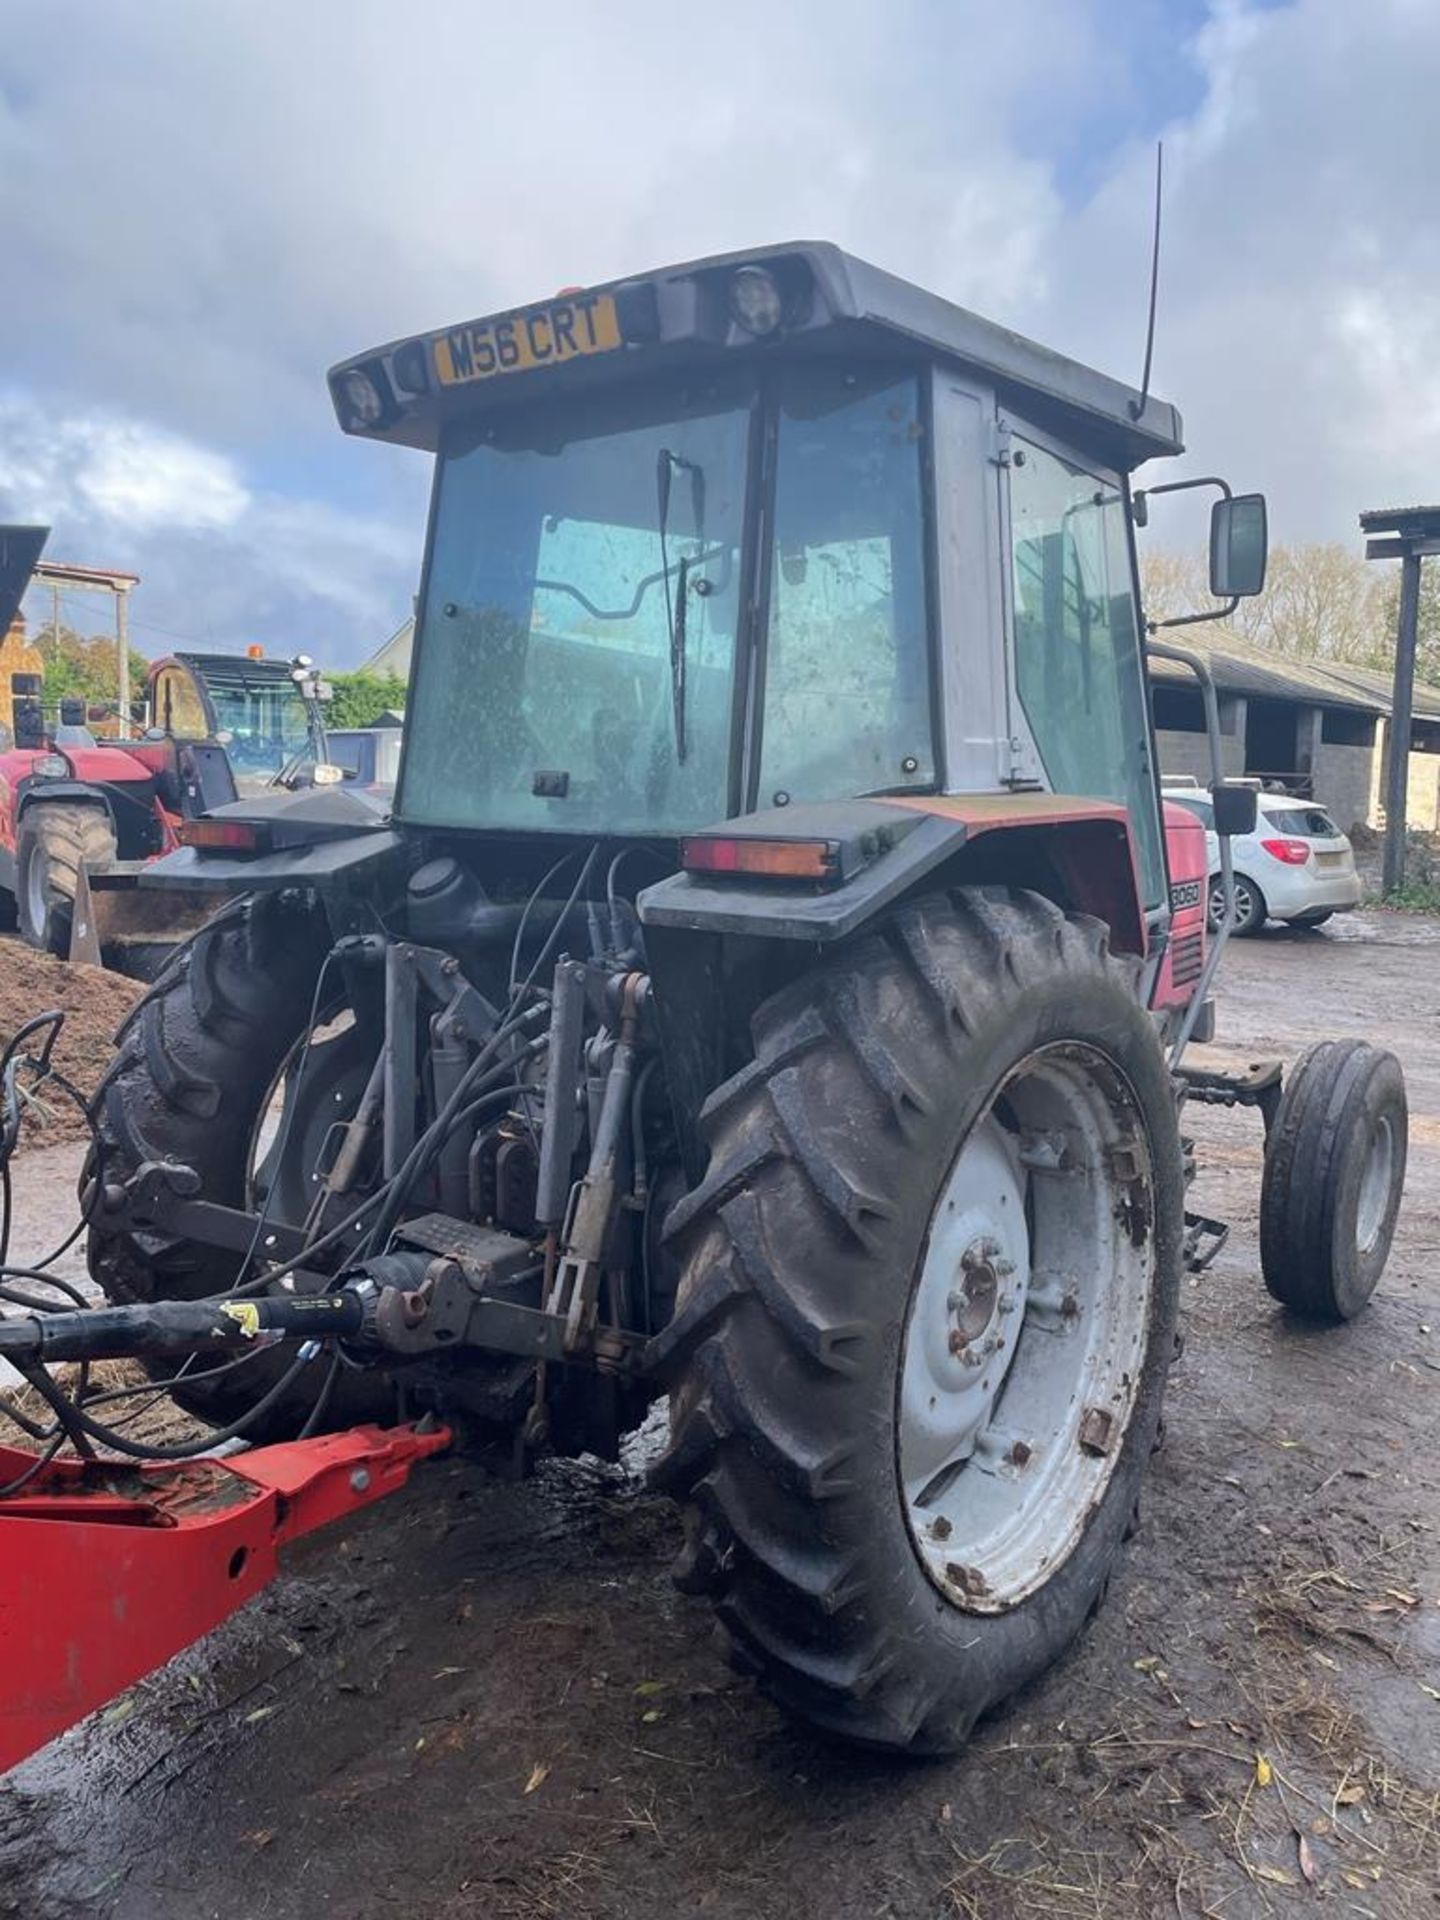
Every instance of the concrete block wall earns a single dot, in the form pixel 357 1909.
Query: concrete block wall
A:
pixel 1344 780
pixel 1423 792
pixel 1182 753
pixel 1422 809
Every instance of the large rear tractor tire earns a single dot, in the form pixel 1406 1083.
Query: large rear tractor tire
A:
pixel 929 1291
pixel 1334 1175
pixel 55 838
pixel 207 1074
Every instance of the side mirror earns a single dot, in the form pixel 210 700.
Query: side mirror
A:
pixel 1239 539
pixel 1236 809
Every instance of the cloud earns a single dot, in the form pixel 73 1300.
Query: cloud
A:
pixel 202 207
pixel 137 477
pixel 220 562
pixel 1300 302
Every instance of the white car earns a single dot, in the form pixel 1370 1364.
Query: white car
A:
pixel 1297 866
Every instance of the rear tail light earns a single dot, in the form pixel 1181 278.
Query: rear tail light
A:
pixel 1293 852
pixel 773 859
pixel 224 836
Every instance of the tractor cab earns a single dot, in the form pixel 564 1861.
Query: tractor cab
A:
pixel 263 713
pixel 763 533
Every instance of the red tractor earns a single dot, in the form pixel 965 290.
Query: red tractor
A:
pixel 215 726
pixel 772 991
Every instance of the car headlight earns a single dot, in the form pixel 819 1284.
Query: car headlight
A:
pixel 360 398
pixel 50 766
pixel 755 301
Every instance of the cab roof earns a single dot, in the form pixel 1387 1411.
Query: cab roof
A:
pixel 678 314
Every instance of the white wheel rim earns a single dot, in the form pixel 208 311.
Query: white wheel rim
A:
pixel 35 901
pixel 265 1135
pixel 1024 1342
pixel 1375 1184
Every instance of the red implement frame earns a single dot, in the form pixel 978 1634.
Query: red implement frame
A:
pixel 107 1569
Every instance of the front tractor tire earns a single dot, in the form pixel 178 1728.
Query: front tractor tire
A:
pixel 205 1074
pixel 56 838
pixel 929 1291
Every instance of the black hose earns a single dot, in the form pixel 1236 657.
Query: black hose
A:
pixel 72 1417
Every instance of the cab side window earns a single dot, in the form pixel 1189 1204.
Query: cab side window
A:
pixel 178 709
pixel 1078 663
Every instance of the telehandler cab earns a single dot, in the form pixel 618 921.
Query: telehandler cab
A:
pixel 771 990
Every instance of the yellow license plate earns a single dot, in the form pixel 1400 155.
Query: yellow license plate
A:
pixel 547 336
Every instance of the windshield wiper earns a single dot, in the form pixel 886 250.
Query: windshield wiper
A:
pixel 675 610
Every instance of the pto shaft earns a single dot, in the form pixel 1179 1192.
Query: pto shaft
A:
pixel 179 1326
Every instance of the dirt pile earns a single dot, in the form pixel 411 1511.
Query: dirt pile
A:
pixel 94 1003
pixel 120 1393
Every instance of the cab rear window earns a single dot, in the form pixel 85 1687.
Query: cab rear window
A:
pixel 1202 809
pixel 1305 823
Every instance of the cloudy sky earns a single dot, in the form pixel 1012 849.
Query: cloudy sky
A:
pixel 203 203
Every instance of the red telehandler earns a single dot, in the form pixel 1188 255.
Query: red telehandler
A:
pixel 772 990
pixel 80 816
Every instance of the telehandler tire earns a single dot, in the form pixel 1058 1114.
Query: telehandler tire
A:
pixel 930 1282
pixel 55 837
pixel 1334 1174
pixel 195 1079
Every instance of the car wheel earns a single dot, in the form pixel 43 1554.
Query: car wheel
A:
pixel 1250 908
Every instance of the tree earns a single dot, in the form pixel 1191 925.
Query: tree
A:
pixel 1427 645
pixel 1321 602
pixel 361 698
pixel 85 668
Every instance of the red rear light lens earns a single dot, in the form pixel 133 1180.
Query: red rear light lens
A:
pixel 1293 852
pixel 772 859
pixel 222 836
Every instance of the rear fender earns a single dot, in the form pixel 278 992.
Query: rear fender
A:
pixel 1078 852
pixel 717 947
pixel 361 858
pixel 33 793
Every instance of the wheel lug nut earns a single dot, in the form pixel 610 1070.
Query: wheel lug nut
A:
pixel 958 1343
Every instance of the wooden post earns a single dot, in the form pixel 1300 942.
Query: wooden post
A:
pixel 1398 766
pixel 122 664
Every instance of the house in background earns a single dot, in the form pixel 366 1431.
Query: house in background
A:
pixel 1316 728
pixel 394 657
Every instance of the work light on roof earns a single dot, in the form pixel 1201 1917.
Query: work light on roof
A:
pixel 360 397
pixel 755 301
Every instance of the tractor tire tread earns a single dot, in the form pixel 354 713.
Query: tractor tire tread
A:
pixel 765 1471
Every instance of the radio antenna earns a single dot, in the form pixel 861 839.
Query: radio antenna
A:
pixel 1137 407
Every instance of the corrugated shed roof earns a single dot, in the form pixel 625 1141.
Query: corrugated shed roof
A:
pixel 1239 666
pixel 1382 519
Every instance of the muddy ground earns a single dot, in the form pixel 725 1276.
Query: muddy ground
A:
pixel 486 1699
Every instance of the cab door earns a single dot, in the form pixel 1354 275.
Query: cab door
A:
pixel 1077 661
